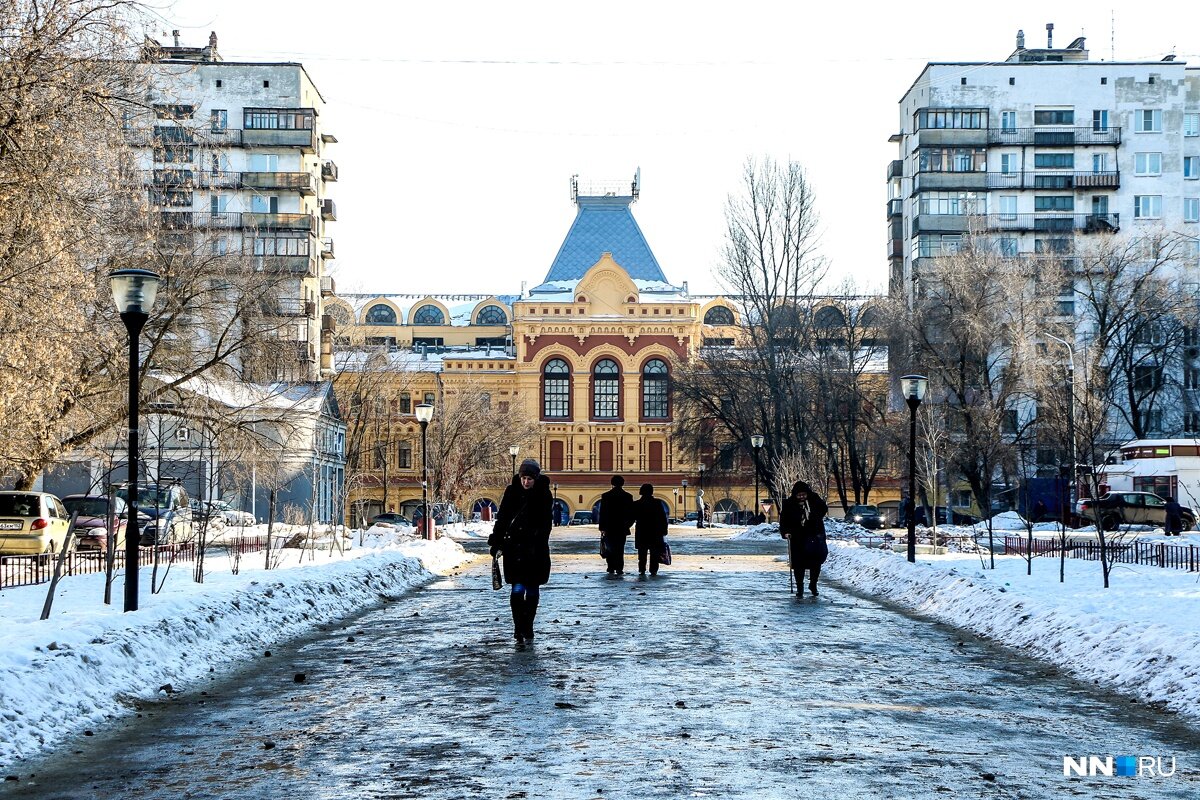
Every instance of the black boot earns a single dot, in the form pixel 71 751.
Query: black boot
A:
pixel 517 603
pixel 531 605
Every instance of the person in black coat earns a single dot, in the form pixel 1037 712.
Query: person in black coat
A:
pixel 616 518
pixel 1174 520
pixel 802 521
pixel 522 534
pixel 651 521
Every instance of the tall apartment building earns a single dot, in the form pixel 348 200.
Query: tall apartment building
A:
pixel 235 152
pixel 1040 149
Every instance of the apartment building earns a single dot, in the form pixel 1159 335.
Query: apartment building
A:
pixel 235 160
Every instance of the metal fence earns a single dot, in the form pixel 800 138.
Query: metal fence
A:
pixel 32 570
pixel 1154 554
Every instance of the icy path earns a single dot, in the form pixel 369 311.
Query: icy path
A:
pixel 706 682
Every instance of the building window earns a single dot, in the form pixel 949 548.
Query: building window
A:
pixel 491 315
pixel 1054 160
pixel 380 457
pixel 1191 209
pixel 1191 167
pixel 1191 378
pixel 556 390
pixel 1147 206
pixel 218 120
pixel 1008 163
pixel 277 119
pixel 1008 206
pixel 954 203
pixel 952 159
pixel 1147 163
pixel 1008 120
pixel 1053 202
pixel 406 403
pixel 1051 247
pixel 429 398
pixel 973 118
pixel 1147 379
pixel 655 389
pixel 380 314
pixel 405 456
pixel 1147 120
pixel 1191 124
pixel 1099 163
pixel 429 315
pixel 606 390
pixel 1008 246
pixel 1151 420
pixel 1100 120
pixel 1064 116
pixel 279 244
pixel 718 315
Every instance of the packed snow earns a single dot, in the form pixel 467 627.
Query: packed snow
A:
pixel 89 662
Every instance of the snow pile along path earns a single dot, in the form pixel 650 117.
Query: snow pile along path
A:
pixel 1121 639
pixel 89 662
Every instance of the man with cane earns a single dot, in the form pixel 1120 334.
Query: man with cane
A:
pixel 802 523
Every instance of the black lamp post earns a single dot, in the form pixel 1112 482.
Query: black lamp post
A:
pixel 684 484
pixel 554 516
pixel 133 292
pixel 1071 474
pixel 513 449
pixel 757 442
pixel 913 388
pixel 700 497
pixel 424 412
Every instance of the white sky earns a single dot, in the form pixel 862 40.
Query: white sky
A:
pixel 461 123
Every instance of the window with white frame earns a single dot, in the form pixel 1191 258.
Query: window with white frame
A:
pixel 952 203
pixel 1191 124
pixel 1008 206
pixel 1099 162
pixel 1147 120
pixel 1100 120
pixel 1191 209
pixel 1191 167
pixel 1147 163
pixel 1151 420
pixel 1008 163
pixel 1008 120
pixel 1147 206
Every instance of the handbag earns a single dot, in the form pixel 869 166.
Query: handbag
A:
pixel 604 545
pixel 497 579
pixel 664 557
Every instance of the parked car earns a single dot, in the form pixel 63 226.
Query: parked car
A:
pixel 581 518
pixel 390 519
pixel 31 523
pixel 945 516
pixel 1131 508
pixel 92 524
pixel 168 512
pixel 867 516
pixel 220 512
pixel 443 514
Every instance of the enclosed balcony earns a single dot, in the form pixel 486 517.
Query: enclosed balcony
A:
pixel 327 248
pixel 329 172
pixel 303 182
pixel 296 222
pixel 328 211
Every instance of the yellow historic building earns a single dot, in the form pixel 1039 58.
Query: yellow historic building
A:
pixel 586 357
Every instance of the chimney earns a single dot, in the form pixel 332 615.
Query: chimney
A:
pixel 1020 40
pixel 212 40
pixel 176 35
pixel 1049 35
pixel 685 289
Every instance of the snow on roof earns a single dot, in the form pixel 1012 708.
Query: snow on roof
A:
pixel 304 397
pixel 459 305
pixel 415 360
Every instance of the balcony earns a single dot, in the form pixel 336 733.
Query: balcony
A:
pixel 300 266
pixel 305 139
pixel 895 208
pixel 328 211
pixel 1054 137
pixel 895 169
pixel 303 182
pixel 1062 180
pixel 328 286
pixel 951 137
pixel 327 248
pixel 329 172
pixel 895 248
pixel 1055 223
pixel 939 181
pixel 294 222
pixel 288 307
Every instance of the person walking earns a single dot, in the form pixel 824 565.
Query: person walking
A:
pixel 651 528
pixel 522 534
pixel 1174 520
pixel 802 522
pixel 616 518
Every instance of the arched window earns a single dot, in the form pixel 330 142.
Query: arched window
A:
pixel 491 315
pixel 829 317
pixel 606 390
pixel 380 314
pixel 718 315
pixel 556 389
pixel 655 390
pixel 429 315
pixel 341 315
pixel 869 317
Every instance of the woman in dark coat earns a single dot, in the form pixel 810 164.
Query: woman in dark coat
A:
pixel 651 521
pixel 522 534
pixel 802 521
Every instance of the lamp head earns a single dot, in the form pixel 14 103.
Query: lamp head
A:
pixel 914 386
pixel 424 412
pixel 513 449
pixel 684 483
pixel 756 440
pixel 134 290
pixel 702 467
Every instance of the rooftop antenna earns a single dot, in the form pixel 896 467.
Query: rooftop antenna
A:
pixel 1049 35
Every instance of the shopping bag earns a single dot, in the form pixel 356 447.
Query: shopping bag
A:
pixel 664 557
pixel 603 546
pixel 497 579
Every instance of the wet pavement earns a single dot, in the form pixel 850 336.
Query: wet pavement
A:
pixel 707 681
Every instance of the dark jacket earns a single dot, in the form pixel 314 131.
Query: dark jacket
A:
pixel 522 531
pixel 1174 520
pixel 616 512
pixel 651 521
pixel 807 531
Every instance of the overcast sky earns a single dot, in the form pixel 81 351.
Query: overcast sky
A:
pixel 461 123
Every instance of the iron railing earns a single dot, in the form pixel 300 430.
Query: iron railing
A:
pixel 1154 554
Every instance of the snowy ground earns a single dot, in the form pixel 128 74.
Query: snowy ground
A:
pixel 90 662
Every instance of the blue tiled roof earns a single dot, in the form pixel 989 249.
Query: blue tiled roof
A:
pixel 604 225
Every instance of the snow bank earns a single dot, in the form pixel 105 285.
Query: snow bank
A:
pixel 90 662
pixel 1141 636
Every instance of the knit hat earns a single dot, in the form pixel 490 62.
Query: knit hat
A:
pixel 530 467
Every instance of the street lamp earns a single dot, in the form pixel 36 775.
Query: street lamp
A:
pixel 1071 475
pixel 913 388
pixel 756 442
pixel 555 515
pixel 700 497
pixel 513 449
pixel 684 483
pixel 675 511
pixel 424 413
pixel 133 291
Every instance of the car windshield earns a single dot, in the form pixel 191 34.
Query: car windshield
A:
pixel 149 496
pixel 866 510
pixel 90 506
pixel 20 505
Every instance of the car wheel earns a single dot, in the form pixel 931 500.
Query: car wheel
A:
pixel 1111 522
